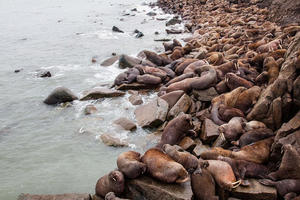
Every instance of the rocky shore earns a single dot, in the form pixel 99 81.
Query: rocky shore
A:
pixel 226 116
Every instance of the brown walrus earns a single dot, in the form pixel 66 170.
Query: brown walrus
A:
pixel 223 174
pixel 164 168
pixel 233 81
pixel 271 46
pixel 225 68
pixel 175 130
pixel 179 78
pixel 253 136
pixel 193 66
pixel 283 187
pixel 148 79
pixel 187 160
pixel 254 125
pixel 130 164
pixel 227 113
pixel 233 129
pixel 154 71
pixel 290 165
pixel 247 99
pixel 272 68
pixel 112 182
pixel 180 68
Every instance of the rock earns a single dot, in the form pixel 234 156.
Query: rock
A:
pixel 97 93
pixel 60 95
pixel 139 34
pixel 199 149
pixel 289 127
pixel 172 97
pixel 44 74
pixel 110 61
pixel 152 114
pixel 125 123
pixel 116 29
pixel 173 21
pixel 145 187
pixel 135 99
pixel 182 105
pixel 173 31
pixel 205 95
pixel 95 197
pixel 135 86
pixel 151 14
pixel 187 144
pixel 296 91
pixel 255 191
pixel 54 197
pixel 112 141
pixel 126 61
pixel 18 70
pixel 210 131
pixel 90 109
pixel 220 141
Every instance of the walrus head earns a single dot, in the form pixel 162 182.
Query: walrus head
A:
pixel 117 180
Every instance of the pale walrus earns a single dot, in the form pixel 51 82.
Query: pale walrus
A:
pixel 233 129
pixel 187 160
pixel 112 182
pixel 130 164
pixel 164 168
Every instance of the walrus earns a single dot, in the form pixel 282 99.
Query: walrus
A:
pixel 112 182
pixel 130 164
pixel 257 152
pixel 179 78
pixel 290 165
pixel 193 66
pixel 225 68
pixel 247 99
pixel 253 136
pixel 180 68
pixel 171 45
pixel 175 130
pixel 148 79
pixel 153 57
pixel 233 129
pixel 283 187
pixel 129 76
pixel 215 58
pixel 255 45
pixel 164 168
pixel 203 185
pixel 254 125
pixel 233 81
pixel 227 113
pixel 223 174
pixel 272 68
pixel 170 72
pixel 187 160
pixel 177 53
pixel 155 72
pixel 271 46
pixel 112 196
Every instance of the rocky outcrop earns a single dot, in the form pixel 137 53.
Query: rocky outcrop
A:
pixel 97 93
pixel 60 95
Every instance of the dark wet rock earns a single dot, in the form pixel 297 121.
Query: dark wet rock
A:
pixel 210 131
pixel 54 197
pixel 199 149
pixel 44 74
pixel 97 93
pixel 151 14
pixel 148 188
pixel 18 70
pixel 187 144
pixel 112 141
pixel 116 29
pixel 90 109
pixel 182 105
pixel 135 86
pixel 126 61
pixel 139 34
pixel 60 95
pixel 110 61
pixel 173 31
pixel 152 114
pixel 220 141
pixel 255 191
pixel 126 124
pixel 205 95
pixel 135 99
pixel 296 91
pixel 173 21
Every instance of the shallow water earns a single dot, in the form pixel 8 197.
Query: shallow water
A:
pixel 46 149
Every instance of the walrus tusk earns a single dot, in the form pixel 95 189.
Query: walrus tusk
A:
pixel 236 184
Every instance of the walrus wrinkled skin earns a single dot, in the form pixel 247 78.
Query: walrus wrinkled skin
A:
pixel 254 125
pixel 129 76
pixel 176 130
pixel 227 113
pixel 163 167
pixel 290 165
pixel 130 164
pixel 254 136
pixel 148 79
pixel 233 129
pixel 271 46
pixel 283 187
pixel 181 67
pixel 112 196
pixel 223 174
pixel 247 99
pixel 203 185
pixel 191 68
pixel 112 182
pixel 179 78
pixel 272 68
pixel 233 81
pixel 187 160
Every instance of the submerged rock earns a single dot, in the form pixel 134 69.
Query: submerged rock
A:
pixel 60 95
pixel 125 124
pixel 116 29
pixel 126 61
pixel 90 109
pixel 97 93
pixel 135 99
pixel 44 74
pixel 112 141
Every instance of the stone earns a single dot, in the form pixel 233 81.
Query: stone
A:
pixel 172 97
pixel 210 131
pixel 54 197
pixel 187 144
pixel 90 109
pixel 173 21
pixel 296 91
pixel 152 114
pixel 95 197
pixel 135 99
pixel 199 149
pixel 125 123
pixel 255 191
pixel 116 29
pixel 220 141
pixel 126 61
pixel 205 95
pixel 182 105
pixel 146 187
pixel 151 14
pixel 44 74
pixel 289 127
pixel 135 86
pixel 60 95
pixel 112 141
pixel 97 93
pixel 110 61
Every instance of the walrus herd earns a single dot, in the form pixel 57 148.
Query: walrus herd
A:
pixel 251 118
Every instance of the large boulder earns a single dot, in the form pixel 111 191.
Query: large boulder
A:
pixel 60 95
pixel 210 131
pixel 205 95
pixel 152 114
pixel 172 97
pixel 112 141
pixel 97 93
pixel 145 187
pixel 54 197
pixel 126 61
pixel 182 105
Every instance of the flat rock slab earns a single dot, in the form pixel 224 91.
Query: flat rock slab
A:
pixel 97 93
pixel 146 187
pixel 199 149
pixel 182 105
pixel 112 141
pixel 152 114
pixel 205 95
pixel 125 123
pixel 255 191
pixel 54 197
pixel 210 131
pixel 135 86
pixel 187 143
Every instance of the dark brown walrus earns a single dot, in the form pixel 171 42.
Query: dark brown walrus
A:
pixel 175 130
pixel 130 164
pixel 283 187
pixel 112 182
pixel 253 136
pixel 187 160
pixel 164 168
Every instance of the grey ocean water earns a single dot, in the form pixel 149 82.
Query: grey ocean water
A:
pixel 45 149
